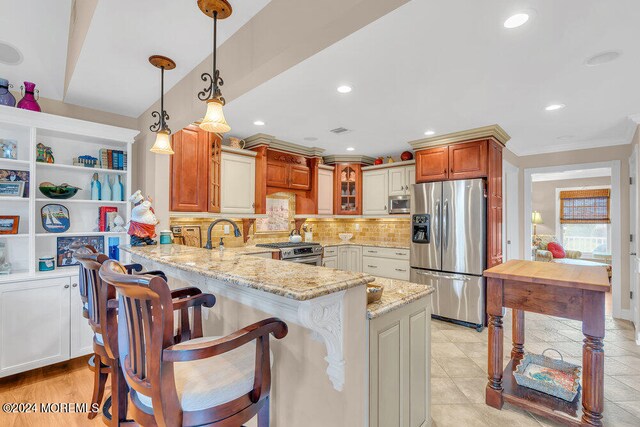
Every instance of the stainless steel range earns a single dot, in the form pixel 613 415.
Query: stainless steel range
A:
pixel 304 252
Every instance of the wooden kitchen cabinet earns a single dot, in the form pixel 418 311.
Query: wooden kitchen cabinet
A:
pixel 494 206
pixel 289 171
pixel 194 180
pixel 432 164
pixel 464 160
pixel 401 179
pixel 468 160
pixel 348 189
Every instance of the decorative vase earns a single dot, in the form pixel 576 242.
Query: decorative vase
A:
pixel 6 97
pixel 106 188
pixel 116 190
pixel 95 187
pixel 378 161
pixel 29 100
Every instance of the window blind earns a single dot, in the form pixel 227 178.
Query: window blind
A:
pixel 585 206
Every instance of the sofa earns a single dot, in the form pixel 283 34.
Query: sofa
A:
pixel 542 254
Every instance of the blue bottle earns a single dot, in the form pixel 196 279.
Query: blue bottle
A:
pixel 95 187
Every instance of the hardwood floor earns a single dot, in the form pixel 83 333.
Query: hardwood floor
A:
pixel 67 382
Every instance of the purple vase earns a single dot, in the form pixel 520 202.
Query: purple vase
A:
pixel 29 101
pixel 6 97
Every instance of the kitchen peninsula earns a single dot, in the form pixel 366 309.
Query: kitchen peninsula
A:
pixel 351 355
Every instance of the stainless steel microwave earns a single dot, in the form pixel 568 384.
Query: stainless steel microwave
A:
pixel 399 204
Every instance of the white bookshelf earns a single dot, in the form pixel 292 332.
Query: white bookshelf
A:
pixel 68 138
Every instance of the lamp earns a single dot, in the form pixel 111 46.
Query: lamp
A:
pixel 214 120
pixel 536 219
pixel 162 145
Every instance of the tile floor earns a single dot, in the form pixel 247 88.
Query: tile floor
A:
pixel 459 371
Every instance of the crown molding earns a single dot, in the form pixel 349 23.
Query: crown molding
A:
pixel 348 158
pixel 493 131
pixel 262 139
pixel 390 165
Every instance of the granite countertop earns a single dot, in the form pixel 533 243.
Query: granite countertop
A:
pixel 356 242
pixel 397 293
pixel 237 266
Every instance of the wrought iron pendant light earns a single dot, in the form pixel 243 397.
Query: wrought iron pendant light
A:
pixel 163 140
pixel 214 120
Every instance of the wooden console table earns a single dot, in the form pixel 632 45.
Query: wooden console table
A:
pixel 568 291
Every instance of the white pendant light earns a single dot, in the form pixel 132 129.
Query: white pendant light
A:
pixel 214 120
pixel 162 145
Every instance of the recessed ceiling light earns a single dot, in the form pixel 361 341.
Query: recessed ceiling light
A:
pixel 258 123
pixel 602 58
pixel 429 133
pixel 350 148
pixel 344 89
pixel 515 21
pixel 9 55
pixel 554 107
pixel 310 138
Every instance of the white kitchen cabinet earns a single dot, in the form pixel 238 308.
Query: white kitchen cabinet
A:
pixel 385 267
pixel 399 367
pixel 397 181
pixel 401 179
pixel 330 262
pixel 34 324
pixel 81 334
pixel 325 190
pixel 350 258
pixel 375 192
pixel 237 183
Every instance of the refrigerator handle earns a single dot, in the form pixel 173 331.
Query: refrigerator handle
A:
pixel 445 225
pixel 436 224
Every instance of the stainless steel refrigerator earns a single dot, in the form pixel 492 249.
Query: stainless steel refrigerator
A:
pixel 448 247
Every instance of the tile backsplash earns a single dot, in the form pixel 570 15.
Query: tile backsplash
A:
pixel 391 230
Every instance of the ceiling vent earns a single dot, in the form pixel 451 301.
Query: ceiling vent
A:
pixel 340 130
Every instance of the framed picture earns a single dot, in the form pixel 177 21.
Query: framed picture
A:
pixel 9 224
pixel 13 176
pixel 11 188
pixel 55 218
pixel 279 209
pixel 65 246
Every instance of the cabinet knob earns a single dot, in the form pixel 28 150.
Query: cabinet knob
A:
pixel 75 285
pixel 66 286
pixel 372 266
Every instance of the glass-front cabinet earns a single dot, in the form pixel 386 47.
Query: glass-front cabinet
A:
pixel 348 194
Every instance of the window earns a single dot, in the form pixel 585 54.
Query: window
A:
pixel 586 238
pixel 585 220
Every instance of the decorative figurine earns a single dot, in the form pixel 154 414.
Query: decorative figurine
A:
pixel 142 227
pixel 5 266
pixel 105 192
pixel 8 149
pixel 95 187
pixel 118 225
pixel 390 159
pixel 44 154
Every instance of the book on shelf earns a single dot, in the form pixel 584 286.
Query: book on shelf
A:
pixel 105 211
pixel 113 159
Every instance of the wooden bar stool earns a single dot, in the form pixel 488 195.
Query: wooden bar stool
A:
pixel 215 381
pixel 101 311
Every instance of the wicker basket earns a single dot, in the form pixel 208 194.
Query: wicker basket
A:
pixel 551 376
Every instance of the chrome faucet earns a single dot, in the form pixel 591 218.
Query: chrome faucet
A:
pixel 236 231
